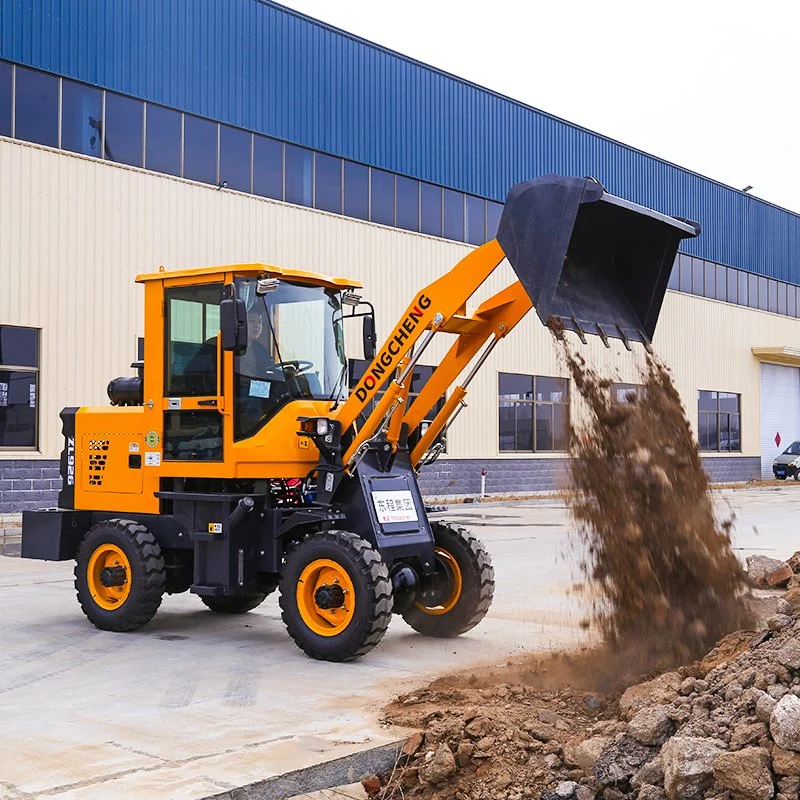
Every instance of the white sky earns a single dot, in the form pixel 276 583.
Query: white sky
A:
pixel 713 86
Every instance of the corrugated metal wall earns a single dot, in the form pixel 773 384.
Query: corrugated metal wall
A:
pixel 76 231
pixel 254 64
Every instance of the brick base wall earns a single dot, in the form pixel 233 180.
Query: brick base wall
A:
pixel 28 484
pixel 35 484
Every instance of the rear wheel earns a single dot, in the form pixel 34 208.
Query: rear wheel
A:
pixel 336 597
pixel 234 605
pixel 119 575
pixel 460 594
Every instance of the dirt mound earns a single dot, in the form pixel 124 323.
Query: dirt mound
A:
pixel 661 563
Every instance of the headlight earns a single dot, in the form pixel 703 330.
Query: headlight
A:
pixel 795 463
pixel 322 426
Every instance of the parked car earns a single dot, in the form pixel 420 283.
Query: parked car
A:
pixel 787 464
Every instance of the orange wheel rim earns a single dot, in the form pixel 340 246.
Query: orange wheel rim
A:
pixel 321 574
pixel 110 557
pixel 456 584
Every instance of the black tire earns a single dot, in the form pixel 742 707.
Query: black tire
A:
pixel 234 605
pixel 144 578
pixel 371 585
pixel 477 585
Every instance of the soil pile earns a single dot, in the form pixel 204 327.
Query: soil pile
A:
pixel 660 562
pixel 724 727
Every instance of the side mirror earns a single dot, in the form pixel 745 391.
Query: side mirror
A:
pixel 370 339
pixel 233 324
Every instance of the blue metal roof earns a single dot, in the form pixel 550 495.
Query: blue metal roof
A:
pixel 266 68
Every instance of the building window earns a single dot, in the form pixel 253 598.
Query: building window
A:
pixel 476 220
pixel 356 190
pixel 36 107
pixel 234 158
pixel 123 129
pixel 19 387
pixel 453 215
pixel 5 98
pixel 407 197
pixel 493 213
pixel 81 118
pixel 382 197
pixel 626 392
pixel 719 421
pixel 431 209
pixel 328 183
pixel 199 149
pixel 533 413
pixel 268 167
pixel 299 165
pixel 163 140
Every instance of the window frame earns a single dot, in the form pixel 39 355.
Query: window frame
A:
pixel 535 404
pixel 717 415
pixel 36 370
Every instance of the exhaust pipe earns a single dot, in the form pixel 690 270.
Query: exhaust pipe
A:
pixel 596 262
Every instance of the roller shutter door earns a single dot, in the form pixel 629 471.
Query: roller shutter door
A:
pixel 780 411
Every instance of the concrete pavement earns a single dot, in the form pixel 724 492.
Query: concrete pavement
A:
pixel 195 703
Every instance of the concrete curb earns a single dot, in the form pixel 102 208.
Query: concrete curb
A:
pixel 339 772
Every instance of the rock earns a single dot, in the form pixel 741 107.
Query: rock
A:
pixel 584 793
pixel 784 723
pixel 792 597
pixel 794 561
pixel 586 753
pixel 540 731
pixel 785 762
pixel 779 577
pixel 549 717
pixel 777 622
pixel 777 690
pixel 650 792
pixel 747 734
pixel 620 760
pixel 412 744
pixel 745 773
pixel 478 727
pixel 758 567
pixel 442 766
pixel 651 773
pixel 464 752
pixel 688 766
pixel 371 784
pixel 687 686
pixel 790 787
pixel 782 607
pixel 552 761
pixel 733 690
pixel 651 725
pixel 660 690
pixel 789 654
pixel 764 706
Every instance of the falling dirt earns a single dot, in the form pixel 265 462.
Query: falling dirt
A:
pixel 666 588
pixel 659 560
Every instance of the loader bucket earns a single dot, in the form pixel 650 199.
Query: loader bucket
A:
pixel 598 263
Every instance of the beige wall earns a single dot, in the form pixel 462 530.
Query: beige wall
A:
pixel 74 232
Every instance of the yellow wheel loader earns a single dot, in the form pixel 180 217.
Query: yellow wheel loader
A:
pixel 233 464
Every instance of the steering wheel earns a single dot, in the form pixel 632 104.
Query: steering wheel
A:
pixel 291 368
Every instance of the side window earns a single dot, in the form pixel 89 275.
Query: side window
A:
pixel 19 387
pixel 192 327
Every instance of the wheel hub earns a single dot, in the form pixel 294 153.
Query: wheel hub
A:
pixel 113 576
pixel 329 596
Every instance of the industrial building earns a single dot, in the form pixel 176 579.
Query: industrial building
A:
pixel 166 132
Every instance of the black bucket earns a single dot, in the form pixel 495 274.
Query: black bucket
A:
pixel 598 263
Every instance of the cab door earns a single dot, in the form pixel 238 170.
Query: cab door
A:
pixel 193 402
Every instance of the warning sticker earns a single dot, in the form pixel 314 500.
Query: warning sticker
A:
pixel 152 459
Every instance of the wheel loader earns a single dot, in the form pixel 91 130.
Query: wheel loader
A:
pixel 233 464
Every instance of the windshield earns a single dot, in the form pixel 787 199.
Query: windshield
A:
pixel 792 450
pixel 295 350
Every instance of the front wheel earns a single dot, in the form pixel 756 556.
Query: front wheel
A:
pixel 336 597
pixel 119 575
pixel 460 593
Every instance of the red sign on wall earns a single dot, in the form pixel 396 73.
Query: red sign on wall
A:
pixel 777 440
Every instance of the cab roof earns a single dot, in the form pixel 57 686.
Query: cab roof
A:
pixel 254 270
